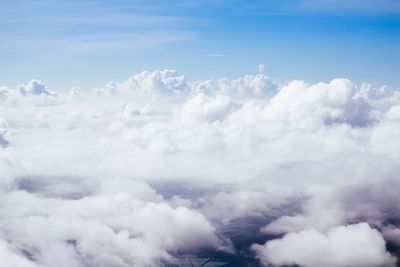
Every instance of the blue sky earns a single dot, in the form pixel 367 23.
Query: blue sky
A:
pixel 86 43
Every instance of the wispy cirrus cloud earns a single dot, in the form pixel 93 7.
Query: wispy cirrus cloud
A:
pixel 90 26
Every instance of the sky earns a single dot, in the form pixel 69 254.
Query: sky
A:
pixel 88 43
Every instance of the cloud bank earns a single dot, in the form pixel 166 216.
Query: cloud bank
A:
pixel 142 171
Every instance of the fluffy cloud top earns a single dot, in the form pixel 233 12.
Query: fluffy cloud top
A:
pixel 342 246
pixel 141 171
pixel 34 87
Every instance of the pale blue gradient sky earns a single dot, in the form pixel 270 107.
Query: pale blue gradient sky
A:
pixel 86 43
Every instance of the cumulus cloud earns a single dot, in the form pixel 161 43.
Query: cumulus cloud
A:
pixel 352 245
pixel 114 229
pixel 146 83
pixel 142 171
pixel 34 87
pixel 34 92
pixel 204 108
pixel 330 103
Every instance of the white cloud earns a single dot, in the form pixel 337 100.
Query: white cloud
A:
pixel 196 156
pixel 352 245
pixel 330 103
pixel 146 83
pixel 34 87
pixel 320 215
pixel 204 108
pixel 98 230
pixel 8 257
pixel 3 130
pixel 4 93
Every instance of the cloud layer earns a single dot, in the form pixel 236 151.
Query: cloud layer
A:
pixel 141 171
